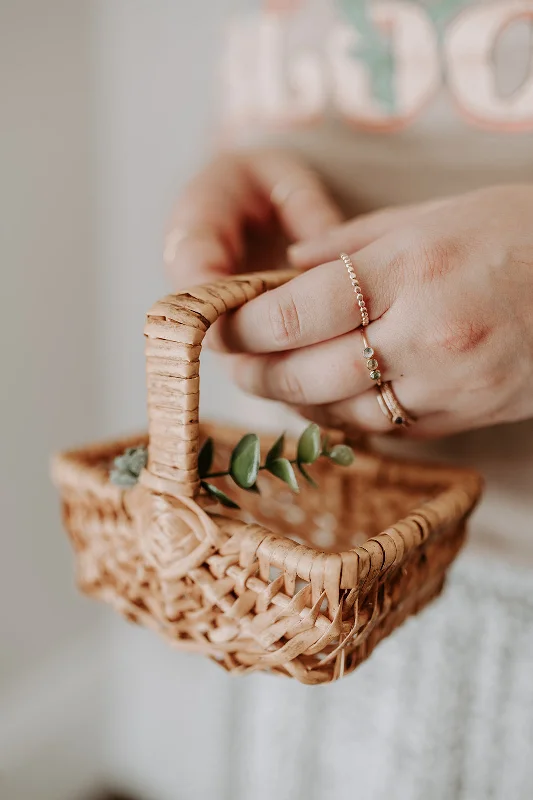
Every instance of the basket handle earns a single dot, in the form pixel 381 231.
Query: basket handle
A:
pixel 174 330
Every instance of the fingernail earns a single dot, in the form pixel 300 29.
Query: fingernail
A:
pixel 297 252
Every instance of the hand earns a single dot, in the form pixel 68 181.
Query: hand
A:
pixel 238 214
pixel 449 289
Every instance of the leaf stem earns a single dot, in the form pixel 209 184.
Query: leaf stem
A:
pixel 225 474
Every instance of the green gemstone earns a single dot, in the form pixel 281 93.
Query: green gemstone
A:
pixel 375 374
pixel 368 352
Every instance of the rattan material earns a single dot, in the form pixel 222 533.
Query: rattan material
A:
pixel 302 585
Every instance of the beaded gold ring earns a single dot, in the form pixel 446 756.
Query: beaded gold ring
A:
pixel 368 352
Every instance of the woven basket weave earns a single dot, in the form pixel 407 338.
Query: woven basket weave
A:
pixel 302 585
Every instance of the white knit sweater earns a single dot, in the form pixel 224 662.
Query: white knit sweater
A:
pixel 443 710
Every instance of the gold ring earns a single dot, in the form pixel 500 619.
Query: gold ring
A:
pixel 383 406
pixel 391 407
pixel 368 351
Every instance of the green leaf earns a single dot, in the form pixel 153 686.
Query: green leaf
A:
pixel 282 468
pixel 307 477
pixel 205 457
pixel 129 466
pixel 342 454
pixel 219 495
pixel 123 479
pixel 244 464
pixel 121 463
pixel 309 445
pixel 138 460
pixel 276 451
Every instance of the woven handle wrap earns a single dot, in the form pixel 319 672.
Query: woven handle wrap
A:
pixel 175 329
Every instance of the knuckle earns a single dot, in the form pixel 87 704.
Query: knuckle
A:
pixel 436 262
pixel 399 268
pixel 461 336
pixel 284 319
pixel 437 257
pixel 289 386
pixel 401 261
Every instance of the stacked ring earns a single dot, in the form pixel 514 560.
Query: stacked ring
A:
pixel 388 402
pixel 357 289
pixel 368 352
pixel 392 408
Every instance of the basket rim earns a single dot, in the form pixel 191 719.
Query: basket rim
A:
pixel 358 568
pixel 428 472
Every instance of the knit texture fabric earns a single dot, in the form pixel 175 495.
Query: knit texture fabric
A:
pixel 442 710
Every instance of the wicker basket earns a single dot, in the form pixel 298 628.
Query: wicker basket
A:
pixel 302 585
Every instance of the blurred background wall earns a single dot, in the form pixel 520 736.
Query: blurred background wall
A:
pixel 50 651
pixel 102 116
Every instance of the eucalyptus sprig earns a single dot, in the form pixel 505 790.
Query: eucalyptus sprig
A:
pixel 128 466
pixel 245 462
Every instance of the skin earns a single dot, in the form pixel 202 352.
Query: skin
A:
pixel 448 285
pixel 225 221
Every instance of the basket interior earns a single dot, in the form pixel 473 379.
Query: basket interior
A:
pixel 350 505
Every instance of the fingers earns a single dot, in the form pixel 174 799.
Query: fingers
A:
pixel 355 234
pixel 205 238
pixel 316 306
pixel 323 373
pixel 363 412
pixel 444 423
pixel 206 234
pixel 196 256
pixel 303 205
pixel 364 417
